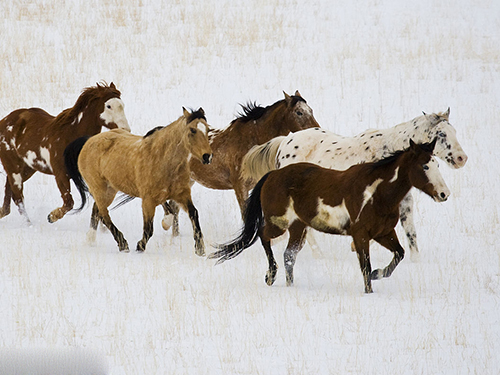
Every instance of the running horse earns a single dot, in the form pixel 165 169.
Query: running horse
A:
pixel 32 140
pixel 362 202
pixel 256 125
pixel 329 150
pixel 154 168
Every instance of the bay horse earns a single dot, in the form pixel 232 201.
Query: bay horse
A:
pixel 154 167
pixel 32 140
pixel 330 150
pixel 254 126
pixel 362 201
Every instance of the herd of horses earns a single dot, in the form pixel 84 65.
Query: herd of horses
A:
pixel 300 175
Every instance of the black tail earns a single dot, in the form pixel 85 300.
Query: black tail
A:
pixel 71 154
pixel 253 221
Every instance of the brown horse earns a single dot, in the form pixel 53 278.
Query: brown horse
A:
pixel 32 140
pixel 154 167
pixel 362 202
pixel 256 125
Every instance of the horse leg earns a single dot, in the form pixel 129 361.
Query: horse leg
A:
pixel 103 198
pixel 16 181
pixel 6 200
pixel 148 213
pixel 94 222
pixel 171 217
pixel 64 186
pixel 362 246
pixel 390 242
pixel 406 218
pixel 273 266
pixel 188 206
pixel 297 233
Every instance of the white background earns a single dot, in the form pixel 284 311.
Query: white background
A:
pixel 359 64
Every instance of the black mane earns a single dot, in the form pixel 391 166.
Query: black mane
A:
pixel 153 131
pixel 428 147
pixel 252 111
pixel 195 115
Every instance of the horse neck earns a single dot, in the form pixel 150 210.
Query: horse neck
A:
pixel 79 123
pixel 419 130
pixel 271 124
pixel 396 176
pixel 171 142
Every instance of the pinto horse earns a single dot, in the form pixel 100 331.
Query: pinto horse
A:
pixel 32 140
pixel 362 202
pixel 154 167
pixel 330 150
pixel 254 126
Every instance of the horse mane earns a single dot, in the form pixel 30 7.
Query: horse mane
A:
pixel 153 131
pixel 252 111
pixel 87 96
pixel 195 115
pixel 392 157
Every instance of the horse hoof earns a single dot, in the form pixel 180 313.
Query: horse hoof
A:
pixel 167 222
pixel 377 274
pixel 51 218
pixel 200 252
pixel 270 277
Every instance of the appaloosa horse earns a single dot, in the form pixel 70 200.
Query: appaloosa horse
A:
pixel 154 168
pixel 362 202
pixel 254 126
pixel 32 140
pixel 330 150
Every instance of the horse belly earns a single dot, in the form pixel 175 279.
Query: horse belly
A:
pixel 331 219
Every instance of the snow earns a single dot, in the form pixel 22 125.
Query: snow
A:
pixel 360 65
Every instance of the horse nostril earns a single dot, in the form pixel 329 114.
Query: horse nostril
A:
pixel 207 158
pixel 443 195
pixel 460 159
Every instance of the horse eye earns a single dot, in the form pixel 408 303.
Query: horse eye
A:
pixel 193 131
pixel 442 134
pixel 299 113
pixel 109 107
pixel 426 167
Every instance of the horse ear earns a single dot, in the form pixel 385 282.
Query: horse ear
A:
pixel 412 144
pixel 185 112
pixel 112 85
pixel 201 111
pixel 287 97
pixel 297 93
pixel 432 118
pixel 447 114
pixel 433 144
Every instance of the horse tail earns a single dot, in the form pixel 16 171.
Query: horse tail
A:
pixel 253 221
pixel 71 154
pixel 260 159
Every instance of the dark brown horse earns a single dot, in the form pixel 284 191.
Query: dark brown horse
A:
pixel 32 140
pixel 256 125
pixel 362 202
pixel 154 167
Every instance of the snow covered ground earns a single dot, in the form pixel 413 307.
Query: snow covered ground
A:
pixel 359 64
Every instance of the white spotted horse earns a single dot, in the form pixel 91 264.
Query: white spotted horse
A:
pixel 330 150
pixel 362 202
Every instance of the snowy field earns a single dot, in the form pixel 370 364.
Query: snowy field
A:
pixel 359 64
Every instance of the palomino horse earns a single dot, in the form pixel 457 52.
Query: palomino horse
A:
pixel 154 167
pixel 255 126
pixel 330 150
pixel 32 140
pixel 362 202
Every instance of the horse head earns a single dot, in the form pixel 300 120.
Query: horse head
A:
pixel 298 115
pixel 197 135
pixel 424 173
pixel 111 108
pixel 447 147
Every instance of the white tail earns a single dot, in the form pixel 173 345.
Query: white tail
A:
pixel 260 159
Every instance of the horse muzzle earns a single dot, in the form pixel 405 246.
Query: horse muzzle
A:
pixel 441 196
pixel 206 158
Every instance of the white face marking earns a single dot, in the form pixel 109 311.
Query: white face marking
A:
pixel 114 112
pixel 80 116
pixel 436 179
pixel 329 217
pixel 202 127
pixel 393 179
pixel 304 108
pixel 18 180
